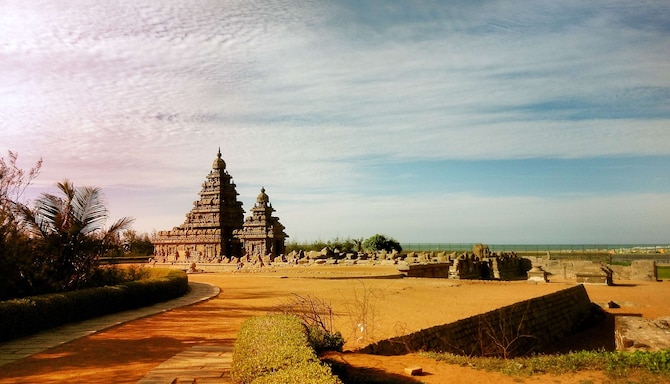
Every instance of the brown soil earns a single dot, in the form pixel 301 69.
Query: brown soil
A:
pixel 381 307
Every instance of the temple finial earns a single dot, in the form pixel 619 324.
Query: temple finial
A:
pixel 218 162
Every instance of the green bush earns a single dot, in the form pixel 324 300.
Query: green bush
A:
pixel 29 315
pixel 321 340
pixel 114 275
pixel 381 243
pixel 303 373
pixel 276 346
pixel 343 245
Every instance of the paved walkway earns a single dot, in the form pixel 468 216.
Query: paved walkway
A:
pixel 200 364
pixel 31 345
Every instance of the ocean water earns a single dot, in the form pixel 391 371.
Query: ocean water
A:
pixel 610 248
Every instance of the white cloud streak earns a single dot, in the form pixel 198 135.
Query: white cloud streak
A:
pixel 304 96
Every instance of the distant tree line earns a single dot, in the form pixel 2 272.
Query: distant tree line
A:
pixel 372 244
pixel 55 244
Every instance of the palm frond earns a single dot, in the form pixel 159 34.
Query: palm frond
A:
pixel 67 188
pixel 89 209
pixel 121 225
pixel 111 234
pixel 49 213
pixel 32 222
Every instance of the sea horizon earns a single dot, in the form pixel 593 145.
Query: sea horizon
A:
pixel 567 247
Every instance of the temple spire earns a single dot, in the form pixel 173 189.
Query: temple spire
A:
pixel 207 232
pixel 218 162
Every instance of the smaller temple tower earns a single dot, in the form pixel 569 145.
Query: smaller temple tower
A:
pixel 262 234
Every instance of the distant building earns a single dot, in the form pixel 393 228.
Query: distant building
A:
pixel 215 226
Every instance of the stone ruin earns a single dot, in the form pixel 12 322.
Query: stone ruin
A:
pixel 481 263
pixel 215 230
pixel 595 272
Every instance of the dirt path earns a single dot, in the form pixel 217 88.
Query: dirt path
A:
pixel 385 308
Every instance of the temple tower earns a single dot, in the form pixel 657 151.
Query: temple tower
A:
pixel 262 234
pixel 208 231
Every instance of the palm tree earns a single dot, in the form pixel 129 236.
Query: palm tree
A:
pixel 72 231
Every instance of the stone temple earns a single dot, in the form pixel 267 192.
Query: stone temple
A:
pixel 262 234
pixel 215 228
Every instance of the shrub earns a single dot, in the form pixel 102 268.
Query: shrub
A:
pixel 343 245
pixel 321 340
pixel 21 317
pixel 303 373
pixel 381 243
pixel 317 315
pixel 276 346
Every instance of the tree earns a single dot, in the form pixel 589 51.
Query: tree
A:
pixel 72 234
pixel 137 244
pixel 15 245
pixel 381 243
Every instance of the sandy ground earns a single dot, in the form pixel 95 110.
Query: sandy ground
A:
pixel 365 309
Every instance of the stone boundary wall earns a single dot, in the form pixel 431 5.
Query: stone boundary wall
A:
pixel 640 270
pixel 435 270
pixel 513 330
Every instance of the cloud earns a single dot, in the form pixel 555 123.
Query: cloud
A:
pixel 170 80
pixel 308 98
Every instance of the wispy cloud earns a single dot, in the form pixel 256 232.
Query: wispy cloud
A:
pixel 309 97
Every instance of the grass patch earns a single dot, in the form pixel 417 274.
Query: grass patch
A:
pixel 663 272
pixel 616 364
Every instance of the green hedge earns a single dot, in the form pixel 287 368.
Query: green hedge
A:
pixel 275 349
pixel 20 317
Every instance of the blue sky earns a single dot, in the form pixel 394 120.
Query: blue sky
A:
pixel 429 121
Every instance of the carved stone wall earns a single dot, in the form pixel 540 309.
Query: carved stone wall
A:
pixel 262 234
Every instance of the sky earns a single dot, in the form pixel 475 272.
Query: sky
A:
pixel 427 121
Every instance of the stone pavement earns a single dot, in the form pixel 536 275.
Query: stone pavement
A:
pixel 200 364
pixel 31 345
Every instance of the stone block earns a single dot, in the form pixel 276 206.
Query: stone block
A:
pixel 538 275
pixel 414 371
pixel 591 278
